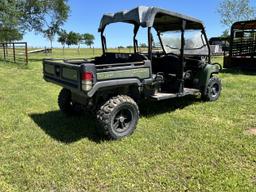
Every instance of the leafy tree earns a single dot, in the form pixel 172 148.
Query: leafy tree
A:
pixel 9 35
pixel 50 33
pixel 9 21
pixel 235 10
pixel 225 33
pixel 57 14
pixel 88 39
pixel 80 40
pixel 41 16
pixel 63 35
pixel 10 13
pixel 72 39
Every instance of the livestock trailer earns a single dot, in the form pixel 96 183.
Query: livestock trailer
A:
pixel 242 51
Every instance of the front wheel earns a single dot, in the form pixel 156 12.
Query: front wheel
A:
pixel 213 89
pixel 118 117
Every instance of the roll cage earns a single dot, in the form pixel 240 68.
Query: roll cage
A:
pixel 159 19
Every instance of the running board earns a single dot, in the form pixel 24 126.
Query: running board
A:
pixel 164 96
pixel 188 91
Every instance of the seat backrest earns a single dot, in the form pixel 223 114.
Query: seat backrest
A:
pixel 166 64
pixel 194 64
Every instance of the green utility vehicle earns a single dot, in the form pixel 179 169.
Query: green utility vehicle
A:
pixel 113 84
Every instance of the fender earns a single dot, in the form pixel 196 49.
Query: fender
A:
pixel 206 74
pixel 113 83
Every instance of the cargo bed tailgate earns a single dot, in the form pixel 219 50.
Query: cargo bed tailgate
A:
pixel 61 73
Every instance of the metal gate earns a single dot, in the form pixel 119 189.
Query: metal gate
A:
pixel 16 52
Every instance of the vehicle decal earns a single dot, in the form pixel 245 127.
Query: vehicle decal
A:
pixel 141 73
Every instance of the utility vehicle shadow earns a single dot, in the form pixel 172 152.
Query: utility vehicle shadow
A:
pixel 71 129
pixel 236 71
pixel 149 108
pixel 67 129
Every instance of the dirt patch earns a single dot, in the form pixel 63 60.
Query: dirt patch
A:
pixel 254 180
pixel 251 131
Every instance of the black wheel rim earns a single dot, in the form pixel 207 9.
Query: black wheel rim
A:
pixel 215 90
pixel 122 120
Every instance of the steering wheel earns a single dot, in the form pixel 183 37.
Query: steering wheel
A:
pixel 172 54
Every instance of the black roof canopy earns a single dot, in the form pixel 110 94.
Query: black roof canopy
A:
pixel 160 19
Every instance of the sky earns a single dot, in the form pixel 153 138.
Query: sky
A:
pixel 85 17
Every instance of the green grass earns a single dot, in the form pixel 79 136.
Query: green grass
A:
pixel 179 145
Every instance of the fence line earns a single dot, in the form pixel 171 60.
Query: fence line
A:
pixel 16 52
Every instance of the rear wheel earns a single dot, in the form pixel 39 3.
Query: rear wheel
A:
pixel 118 117
pixel 65 103
pixel 213 90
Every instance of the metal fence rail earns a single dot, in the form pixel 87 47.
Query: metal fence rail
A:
pixel 16 52
pixel 244 47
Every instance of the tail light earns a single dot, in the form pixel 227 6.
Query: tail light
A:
pixel 87 81
pixel 87 76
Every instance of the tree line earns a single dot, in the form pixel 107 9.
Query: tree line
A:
pixel 47 17
pixel 73 38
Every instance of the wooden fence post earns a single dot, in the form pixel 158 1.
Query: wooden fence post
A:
pixel 26 52
pixel 4 51
pixel 14 54
pixel 7 53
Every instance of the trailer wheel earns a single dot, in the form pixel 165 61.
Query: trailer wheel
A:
pixel 65 103
pixel 118 117
pixel 213 90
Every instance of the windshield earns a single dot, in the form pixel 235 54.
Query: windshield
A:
pixel 194 42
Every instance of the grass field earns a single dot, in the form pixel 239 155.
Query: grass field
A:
pixel 179 145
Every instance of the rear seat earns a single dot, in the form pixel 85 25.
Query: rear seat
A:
pixel 167 64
